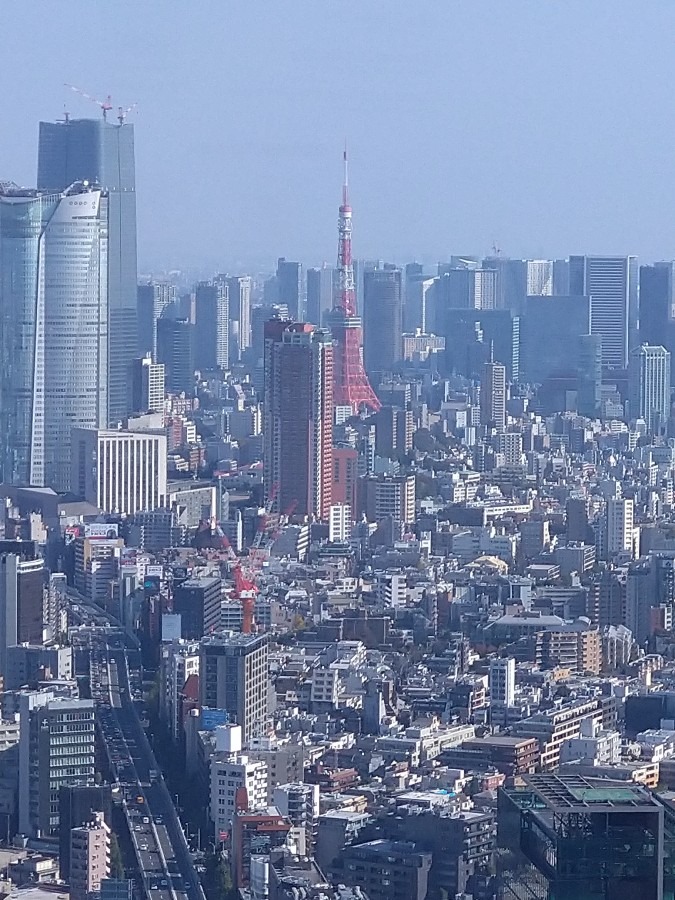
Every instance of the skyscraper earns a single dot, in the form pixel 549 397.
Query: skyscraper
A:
pixel 649 382
pixel 382 323
pixel 175 342
pixel 611 283
pixel 298 409
pixel 102 153
pixel 290 287
pixel 319 293
pixel 557 324
pixel 589 383
pixel 53 328
pixel 657 306
pixel 239 296
pixel 539 277
pixel 212 326
pixel 152 299
pixel 493 395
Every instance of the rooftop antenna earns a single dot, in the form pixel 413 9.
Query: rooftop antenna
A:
pixel 105 105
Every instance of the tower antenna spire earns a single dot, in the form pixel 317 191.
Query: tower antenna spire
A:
pixel 345 179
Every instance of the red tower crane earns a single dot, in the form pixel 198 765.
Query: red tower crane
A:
pixel 106 105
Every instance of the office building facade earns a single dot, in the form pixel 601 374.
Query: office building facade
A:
pixel 233 675
pixel 197 601
pixel 53 328
pixel 320 287
pixel 649 384
pixel 298 416
pixel 290 288
pixel 102 153
pixel 22 602
pixel 153 300
pixel 175 351
pixel 56 748
pixel 121 472
pixel 612 284
pixel 382 321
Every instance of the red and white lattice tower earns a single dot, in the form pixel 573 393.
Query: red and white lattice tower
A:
pixel 350 382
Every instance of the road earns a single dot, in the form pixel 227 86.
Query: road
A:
pixel 161 850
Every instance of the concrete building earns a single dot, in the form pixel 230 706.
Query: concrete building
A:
pixel 179 660
pixel 299 803
pixel 197 601
pixel 56 748
pixel 79 805
pixel 388 495
pixel 339 523
pixel 97 562
pixel 89 857
pixel 121 472
pixel 385 869
pixel 502 681
pixel 298 417
pixel 147 385
pixel 235 779
pixel 26 663
pixel 22 601
pixel 620 528
pixel 234 677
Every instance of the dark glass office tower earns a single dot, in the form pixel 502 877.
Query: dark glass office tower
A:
pixel 103 153
pixel 382 325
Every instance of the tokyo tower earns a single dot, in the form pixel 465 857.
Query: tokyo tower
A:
pixel 350 382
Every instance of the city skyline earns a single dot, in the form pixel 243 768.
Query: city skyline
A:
pixel 523 133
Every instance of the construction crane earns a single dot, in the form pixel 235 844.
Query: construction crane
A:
pixel 105 105
pixel 122 112
pixel 245 591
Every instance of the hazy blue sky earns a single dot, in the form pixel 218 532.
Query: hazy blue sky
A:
pixel 547 126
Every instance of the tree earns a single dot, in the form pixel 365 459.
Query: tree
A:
pixel 116 864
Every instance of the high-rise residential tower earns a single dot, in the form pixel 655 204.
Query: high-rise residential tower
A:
pixel 493 395
pixel 382 323
pixel 239 289
pixel 611 283
pixel 649 383
pixel 212 326
pixel 53 328
pixel 102 153
pixel 298 409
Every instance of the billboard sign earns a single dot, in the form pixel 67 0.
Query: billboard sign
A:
pixel 100 530
pixel 212 718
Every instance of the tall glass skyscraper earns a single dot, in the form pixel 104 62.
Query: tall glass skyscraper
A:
pixel 53 328
pixel 102 153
